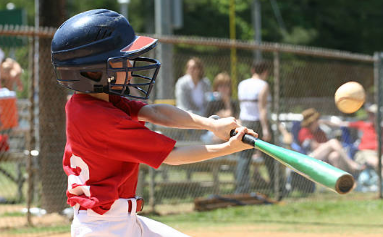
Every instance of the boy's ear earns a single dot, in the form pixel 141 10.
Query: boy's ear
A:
pixel 95 76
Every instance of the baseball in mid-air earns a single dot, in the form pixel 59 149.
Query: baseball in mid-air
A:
pixel 349 97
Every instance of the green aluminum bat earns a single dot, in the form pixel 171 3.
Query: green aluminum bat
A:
pixel 311 168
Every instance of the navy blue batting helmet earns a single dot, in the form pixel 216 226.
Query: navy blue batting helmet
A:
pixel 87 47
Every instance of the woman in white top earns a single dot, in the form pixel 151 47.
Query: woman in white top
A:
pixel 254 97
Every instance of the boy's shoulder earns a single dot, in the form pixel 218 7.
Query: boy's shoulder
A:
pixel 85 103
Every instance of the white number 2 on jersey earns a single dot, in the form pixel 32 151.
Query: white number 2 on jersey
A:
pixel 79 180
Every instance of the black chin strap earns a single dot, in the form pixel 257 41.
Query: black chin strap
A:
pixel 127 91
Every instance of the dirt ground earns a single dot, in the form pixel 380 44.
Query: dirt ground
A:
pixel 242 231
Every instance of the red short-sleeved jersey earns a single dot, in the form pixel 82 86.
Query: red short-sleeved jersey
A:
pixel 105 145
pixel 369 140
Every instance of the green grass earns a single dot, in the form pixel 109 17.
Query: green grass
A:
pixel 42 229
pixel 8 188
pixel 12 214
pixel 339 215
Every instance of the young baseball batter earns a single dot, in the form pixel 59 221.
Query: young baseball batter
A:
pixel 97 54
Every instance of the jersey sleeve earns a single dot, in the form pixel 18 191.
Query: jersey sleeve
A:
pixel 133 142
pixel 131 107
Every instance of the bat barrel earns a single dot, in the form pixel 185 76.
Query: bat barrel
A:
pixel 317 171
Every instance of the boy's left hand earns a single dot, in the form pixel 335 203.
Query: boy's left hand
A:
pixel 222 127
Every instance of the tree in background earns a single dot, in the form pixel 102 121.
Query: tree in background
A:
pixel 350 25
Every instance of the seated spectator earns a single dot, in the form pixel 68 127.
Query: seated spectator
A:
pixel 10 80
pixel 367 153
pixel 10 74
pixel 287 137
pixel 220 102
pixel 312 137
pixel 191 89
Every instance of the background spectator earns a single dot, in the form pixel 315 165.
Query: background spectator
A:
pixel 367 153
pixel 220 101
pixel 254 96
pixel 10 73
pixel 191 89
pixel 367 149
pixel 315 142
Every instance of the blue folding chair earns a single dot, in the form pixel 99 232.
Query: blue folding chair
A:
pixel 349 142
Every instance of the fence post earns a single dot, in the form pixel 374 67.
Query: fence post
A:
pixel 31 137
pixel 277 166
pixel 163 26
pixel 378 77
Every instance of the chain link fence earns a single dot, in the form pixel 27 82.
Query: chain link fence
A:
pixel 33 125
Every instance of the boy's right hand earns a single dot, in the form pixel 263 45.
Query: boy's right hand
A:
pixel 235 141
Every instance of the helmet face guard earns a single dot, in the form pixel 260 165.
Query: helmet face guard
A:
pixel 143 73
pixel 94 49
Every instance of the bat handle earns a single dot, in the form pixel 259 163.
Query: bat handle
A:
pixel 248 139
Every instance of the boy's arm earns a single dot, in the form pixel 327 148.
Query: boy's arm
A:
pixel 196 153
pixel 171 116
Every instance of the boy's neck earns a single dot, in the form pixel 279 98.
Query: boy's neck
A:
pixel 100 96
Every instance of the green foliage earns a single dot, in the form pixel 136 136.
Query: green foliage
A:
pixel 300 36
pixel 351 25
pixel 75 7
pixel 28 6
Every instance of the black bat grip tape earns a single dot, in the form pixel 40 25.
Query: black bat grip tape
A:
pixel 248 139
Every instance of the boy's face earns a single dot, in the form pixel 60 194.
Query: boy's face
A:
pixel 131 77
pixel 121 76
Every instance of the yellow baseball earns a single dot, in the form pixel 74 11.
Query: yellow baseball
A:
pixel 349 97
